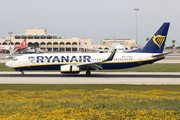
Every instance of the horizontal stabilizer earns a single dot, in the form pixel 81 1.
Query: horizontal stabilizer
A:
pixel 162 54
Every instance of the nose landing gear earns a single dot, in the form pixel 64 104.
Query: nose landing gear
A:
pixel 88 73
pixel 22 73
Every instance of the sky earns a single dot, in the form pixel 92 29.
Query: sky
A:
pixel 93 19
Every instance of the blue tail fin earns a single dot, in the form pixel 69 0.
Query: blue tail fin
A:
pixel 157 42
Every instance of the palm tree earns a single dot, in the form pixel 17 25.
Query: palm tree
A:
pixel 173 41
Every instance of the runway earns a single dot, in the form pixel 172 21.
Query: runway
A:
pixel 147 78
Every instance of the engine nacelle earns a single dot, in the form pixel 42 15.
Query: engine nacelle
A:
pixel 69 69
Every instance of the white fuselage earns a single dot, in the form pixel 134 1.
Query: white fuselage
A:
pixel 6 47
pixel 48 61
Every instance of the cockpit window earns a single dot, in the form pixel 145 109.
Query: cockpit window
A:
pixel 14 59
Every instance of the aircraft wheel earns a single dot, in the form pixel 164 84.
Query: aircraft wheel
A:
pixel 88 72
pixel 22 73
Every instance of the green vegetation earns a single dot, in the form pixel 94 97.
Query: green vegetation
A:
pixel 5 68
pixel 106 104
pixel 156 67
pixel 89 87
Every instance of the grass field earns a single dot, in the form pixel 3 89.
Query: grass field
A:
pixel 5 68
pixel 89 102
pixel 77 104
pixel 156 67
pixel 89 87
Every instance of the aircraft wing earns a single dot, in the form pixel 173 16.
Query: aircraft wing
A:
pixel 96 65
pixel 91 65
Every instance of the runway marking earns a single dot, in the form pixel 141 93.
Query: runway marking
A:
pixel 95 78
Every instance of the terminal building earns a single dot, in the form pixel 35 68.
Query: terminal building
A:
pixel 38 38
pixel 128 43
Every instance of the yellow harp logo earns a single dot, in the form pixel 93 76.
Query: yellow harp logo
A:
pixel 158 40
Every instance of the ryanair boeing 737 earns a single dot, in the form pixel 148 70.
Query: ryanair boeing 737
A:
pixel 75 62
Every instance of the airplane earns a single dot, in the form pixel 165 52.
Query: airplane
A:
pixel 119 47
pixel 18 48
pixel 1 51
pixel 75 62
pixel 115 45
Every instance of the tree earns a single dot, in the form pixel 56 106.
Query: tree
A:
pixel 147 39
pixel 173 41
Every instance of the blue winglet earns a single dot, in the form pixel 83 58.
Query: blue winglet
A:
pixel 111 56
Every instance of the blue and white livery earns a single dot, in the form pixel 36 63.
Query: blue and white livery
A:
pixel 75 62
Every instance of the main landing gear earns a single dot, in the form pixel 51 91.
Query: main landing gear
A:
pixel 22 73
pixel 88 73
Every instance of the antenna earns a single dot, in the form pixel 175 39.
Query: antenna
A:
pixel 114 37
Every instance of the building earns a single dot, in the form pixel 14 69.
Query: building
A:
pixel 38 38
pixel 128 43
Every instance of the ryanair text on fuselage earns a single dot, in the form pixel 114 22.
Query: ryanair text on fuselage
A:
pixel 48 59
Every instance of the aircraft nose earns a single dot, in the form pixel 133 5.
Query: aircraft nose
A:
pixel 8 64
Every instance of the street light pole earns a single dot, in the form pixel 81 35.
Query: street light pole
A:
pixel 136 9
pixel 10 33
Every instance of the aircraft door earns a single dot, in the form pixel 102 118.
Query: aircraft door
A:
pixel 25 60
pixel 139 59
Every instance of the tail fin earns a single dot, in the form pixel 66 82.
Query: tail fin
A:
pixel 157 42
pixel 24 42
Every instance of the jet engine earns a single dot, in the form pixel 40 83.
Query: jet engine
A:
pixel 69 69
